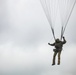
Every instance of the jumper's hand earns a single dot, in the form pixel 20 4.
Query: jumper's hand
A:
pixel 48 43
pixel 63 37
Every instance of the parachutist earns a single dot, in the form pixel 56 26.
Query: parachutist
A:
pixel 53 10
pixel 58 44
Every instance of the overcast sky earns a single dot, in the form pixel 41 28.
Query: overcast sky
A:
pixel 24 36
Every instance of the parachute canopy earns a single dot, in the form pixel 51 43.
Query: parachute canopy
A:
pixel 55 9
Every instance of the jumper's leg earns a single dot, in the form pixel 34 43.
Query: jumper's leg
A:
pixel 54 56
pixel 59 53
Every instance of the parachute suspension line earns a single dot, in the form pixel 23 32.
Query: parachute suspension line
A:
pixel 50 20
pixel 53 32
pixel 65 25
pixel 62 27
pixel 61 32
pixel 45 7
pixel 52 8
pixel 68 18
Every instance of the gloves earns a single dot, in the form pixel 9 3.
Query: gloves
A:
pixel 63 37
pixel 48 43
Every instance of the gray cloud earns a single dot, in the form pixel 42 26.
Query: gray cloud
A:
pixel 24 34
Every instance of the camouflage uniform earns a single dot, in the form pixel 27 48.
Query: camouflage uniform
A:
pixel 58 48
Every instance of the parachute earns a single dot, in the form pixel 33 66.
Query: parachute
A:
pixel 55 9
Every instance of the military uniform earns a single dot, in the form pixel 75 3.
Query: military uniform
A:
pixel 58 48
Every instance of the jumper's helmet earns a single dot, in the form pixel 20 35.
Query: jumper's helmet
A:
pixel 57 40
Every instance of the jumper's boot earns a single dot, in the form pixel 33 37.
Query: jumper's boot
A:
pixel 58 63
pixel 53 61
pixel 53 64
